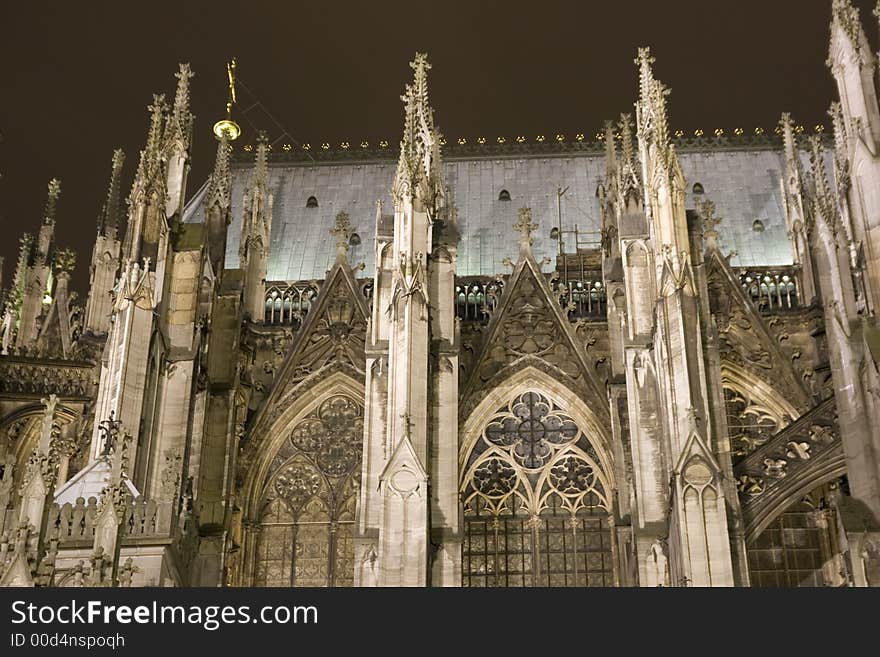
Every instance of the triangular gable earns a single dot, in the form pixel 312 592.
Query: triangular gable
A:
pixel 89 482
pixel 334 332
pixel 745 334
pixel 529 324
pixel 404 457
pixel 696 447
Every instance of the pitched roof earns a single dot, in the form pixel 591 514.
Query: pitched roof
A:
pixel 744 184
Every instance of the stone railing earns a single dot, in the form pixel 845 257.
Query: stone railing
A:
pixel 74 522
pixel 582 299
pixel 143 519
pixel 42 377
pixel 147 518
pixel 477 298
pixel 289 303
pixel 772 289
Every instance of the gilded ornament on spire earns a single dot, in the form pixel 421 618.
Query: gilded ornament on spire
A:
pixel 227 127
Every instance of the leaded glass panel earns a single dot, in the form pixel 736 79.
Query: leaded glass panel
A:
pixel 306 533
pixel 535 502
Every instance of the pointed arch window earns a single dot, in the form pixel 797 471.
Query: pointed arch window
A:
pixel 536 506
pixel 307 523
pixel 311 202
pixel 504 195
pixel 801 548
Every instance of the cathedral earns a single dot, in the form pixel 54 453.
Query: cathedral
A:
pixel 642 358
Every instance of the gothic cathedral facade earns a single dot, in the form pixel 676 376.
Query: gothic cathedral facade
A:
pixel 641 360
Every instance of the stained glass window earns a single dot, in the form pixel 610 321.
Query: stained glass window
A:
pixel 535 502
pixel 308 520
pixel 799 549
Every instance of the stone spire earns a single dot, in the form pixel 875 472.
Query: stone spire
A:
pixel 653 123
pixel 150 155
pixel 841 148
pixel 610 156
pixel 419 174
pixel 217 204
pixel 341 231
pixel 15 294
pixel 824 203
pixel 256 230
pixel 852 63
pixel 110 213
pixel 795 213
pixel 792 159
pixel 629 183
pixel 47 230
pixel 219 185
pixel 662 178
pixel 181 120
pixel 261 168
pixel 54 188
pixel 846 26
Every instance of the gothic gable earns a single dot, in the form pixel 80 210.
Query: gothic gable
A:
pixel 330 340
pixel 528 327
pixel 744 337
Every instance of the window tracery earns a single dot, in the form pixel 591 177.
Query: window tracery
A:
pixel 306 530
pixel 800 548
pixel 535 501
pixel 750 423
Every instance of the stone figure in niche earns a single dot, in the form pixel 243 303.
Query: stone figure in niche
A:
pixel 658 565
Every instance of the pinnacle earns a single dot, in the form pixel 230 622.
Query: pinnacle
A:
pixel 181 118
pixel 341 231
pixel 817 163
pixel 525 227
pixel 54 188
pixel 846 16
pixel 219 186
pixel 181 97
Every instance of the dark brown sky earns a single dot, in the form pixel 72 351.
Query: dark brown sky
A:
pixel 77 76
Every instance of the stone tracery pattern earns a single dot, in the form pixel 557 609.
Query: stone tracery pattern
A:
pixel 535 501
pixel 308 518
pixel 750 424
pixel 529 330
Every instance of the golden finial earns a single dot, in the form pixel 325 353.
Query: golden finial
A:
pixel 227 126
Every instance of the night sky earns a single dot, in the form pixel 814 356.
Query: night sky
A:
pixel 77 77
